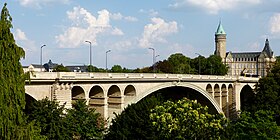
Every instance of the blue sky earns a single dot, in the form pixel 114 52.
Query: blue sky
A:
pixel 129 28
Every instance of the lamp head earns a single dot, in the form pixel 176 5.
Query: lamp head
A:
pixel 43 46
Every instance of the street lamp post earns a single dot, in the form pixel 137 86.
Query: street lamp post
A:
pixel 211 68
pixel 153 59
pixel 89 52
pixel 198 62
pixel 106 58
pixel 41 56
pixel 189 66
pixel 156 61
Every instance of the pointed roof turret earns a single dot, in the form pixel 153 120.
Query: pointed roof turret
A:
pixel 267 49
pixel 220 29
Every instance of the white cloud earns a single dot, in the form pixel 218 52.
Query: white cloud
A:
pixel 119 16
pixel 116 16
pixel 85 27
pixel 27 44
pixel 130 18
pixel 40 3
pixel 186 49
pixel 214 6
pixel 117 31
pixel 156 31
pixel 151 12
pixel 20 35
pixel 254 46
pixel 275 23
pixel 122 46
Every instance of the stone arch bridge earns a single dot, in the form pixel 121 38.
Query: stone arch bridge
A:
pixel 112 92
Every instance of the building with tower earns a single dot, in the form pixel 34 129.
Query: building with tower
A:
pixel 243 63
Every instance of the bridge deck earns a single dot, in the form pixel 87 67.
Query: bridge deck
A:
pixel 119 77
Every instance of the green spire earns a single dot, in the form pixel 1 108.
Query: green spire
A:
pixel 220 29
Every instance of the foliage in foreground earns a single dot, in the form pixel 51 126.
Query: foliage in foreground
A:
pixel 80 122
pixel 259 125
pixel 267 95
pixel 84 123
pixel 13 123
pixel 49 116
pixel 134 122
pixel 186 119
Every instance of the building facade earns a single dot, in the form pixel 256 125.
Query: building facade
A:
pixel 244 63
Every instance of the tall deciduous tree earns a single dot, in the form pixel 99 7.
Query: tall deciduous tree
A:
pixel 84 123
pixel 199 63
pixel 186 119
pixel 267 95
pixel 49 116
pixel 260 125
pixel 12 81
pixel 117 68
pixel 134 121
pixel 215 66
pixel 164 66
pixel 179 63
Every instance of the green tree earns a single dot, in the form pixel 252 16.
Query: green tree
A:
pixel 164 66
pixel 12 80
pixel 60 68
pixel 117 68
pixel 49 116
pixel 215 66
pixel 186 119
pixel 134 121
pixel 84 123
pixel 179 63
pixel 91 68
pixel 144 70
pixel 126 70
pixel 199 62
pixel 260 125
pixel 267 95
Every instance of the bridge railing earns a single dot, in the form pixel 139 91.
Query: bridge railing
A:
pixel 87 75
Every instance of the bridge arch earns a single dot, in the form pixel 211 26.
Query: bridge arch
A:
pixel 196 88
pixel 96 92
pixel 209 89
pixel 224 98
pixel 217 93
pixel 129 92
pixel 246 96
pixel 96 99
pixel 28 101
pixel 77 92
pixel 114 97
pixel 29 97
pixel 231 102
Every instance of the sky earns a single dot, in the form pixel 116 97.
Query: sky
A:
pixel 130 27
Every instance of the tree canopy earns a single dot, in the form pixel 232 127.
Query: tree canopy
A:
pixel 12 80
pixel 117 68
pixel 83 122
pixel 49 116
pixel 267 95
pixel 60 68
pixel 186 119
pixel 260 125
pixel 178 63
pixel 260 114
pixel 58 123
pixel 134 121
